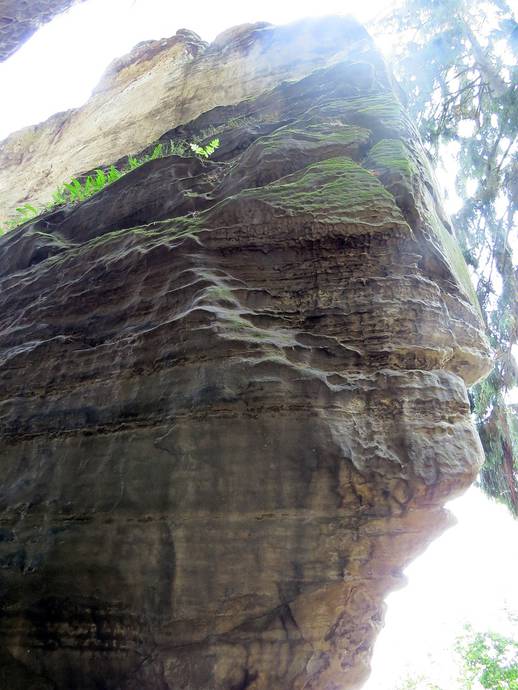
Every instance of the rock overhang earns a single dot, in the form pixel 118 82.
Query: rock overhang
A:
pixel 245 377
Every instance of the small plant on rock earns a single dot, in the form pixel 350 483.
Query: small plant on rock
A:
pixel 205 151
pixel 75 191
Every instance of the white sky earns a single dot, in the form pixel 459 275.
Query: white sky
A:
pixel 61 64
pixel 469 574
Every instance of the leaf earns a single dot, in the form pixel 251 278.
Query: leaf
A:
pixel 58 197
pixel 100 179
pixel 89 186
pixel 199 150
pixel 113 174
pixel 207 150
pixel 157 152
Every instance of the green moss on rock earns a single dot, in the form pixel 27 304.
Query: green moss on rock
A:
pixel 318 132
pixel 336 190
pixel 453 255
pixel 383 110
pixel 393 156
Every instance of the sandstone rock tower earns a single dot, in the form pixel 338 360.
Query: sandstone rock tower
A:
pixel 233 393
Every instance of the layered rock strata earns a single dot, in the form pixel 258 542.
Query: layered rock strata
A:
pixel 160 85
pixel 233 399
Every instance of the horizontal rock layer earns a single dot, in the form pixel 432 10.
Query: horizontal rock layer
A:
pixel 233 397
pixel 159 85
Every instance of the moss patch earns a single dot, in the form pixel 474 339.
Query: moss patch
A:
pixel 159 233
pixel 381 110
pixel 336 190
pixel 392 155
pixel 454 257
pixel 233 325
pixel 317 131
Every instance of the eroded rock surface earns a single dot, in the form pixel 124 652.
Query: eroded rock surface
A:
pixel 19 19
pixel 233 400
pixel 160 85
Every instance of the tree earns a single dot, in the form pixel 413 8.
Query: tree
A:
pixel 490 660
pixel 457 62
pixel 487 660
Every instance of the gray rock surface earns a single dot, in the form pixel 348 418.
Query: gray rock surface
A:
pixel 19 19
pixel 233 399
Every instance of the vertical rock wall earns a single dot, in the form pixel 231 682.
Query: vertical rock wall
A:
pixel 233 400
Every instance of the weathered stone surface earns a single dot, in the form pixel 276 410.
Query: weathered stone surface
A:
pixel 233 400
pixel 19 19
pixel 160 85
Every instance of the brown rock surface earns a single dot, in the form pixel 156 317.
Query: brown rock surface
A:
pixel 233 397
pixel 19 19
pixel 161 85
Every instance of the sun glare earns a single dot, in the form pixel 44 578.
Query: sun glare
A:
pixel 60 65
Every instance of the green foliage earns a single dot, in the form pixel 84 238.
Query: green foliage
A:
pixel 499 435
pixel 26 212
pixel 490 660
pixel 486 660
pixel 177 148
pixel 205 151
pixel 76 190
pixel 23 214
pixel 113 174
pixel 27 209
pixel 158 152
pixel 457 61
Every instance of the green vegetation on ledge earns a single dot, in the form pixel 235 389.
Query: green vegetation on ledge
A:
pixel 336 190
pixel 394 157
pixel 76 190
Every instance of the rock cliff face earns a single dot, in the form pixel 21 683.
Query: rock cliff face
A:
pixel 233 391
pixel 19 19
pixel 158 86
